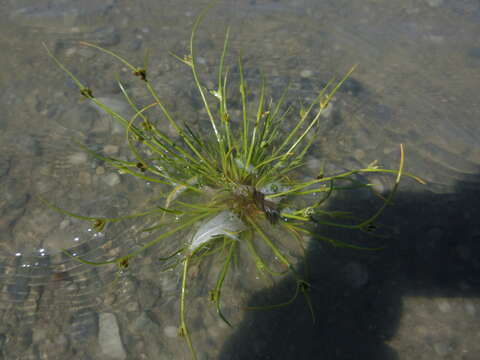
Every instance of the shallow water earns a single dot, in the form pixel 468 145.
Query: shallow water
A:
pixel 416 83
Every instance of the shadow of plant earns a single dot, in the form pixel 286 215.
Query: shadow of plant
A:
pixel 358 295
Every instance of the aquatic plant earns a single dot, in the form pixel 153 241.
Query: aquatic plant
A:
pixel 231 190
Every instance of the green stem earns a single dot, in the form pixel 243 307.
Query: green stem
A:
pixel 183 325
pixel 218 286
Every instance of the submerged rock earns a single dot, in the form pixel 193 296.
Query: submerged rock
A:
pixel 111 179
pixel 109 337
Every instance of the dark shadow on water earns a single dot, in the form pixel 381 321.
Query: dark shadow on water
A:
pixel 357 295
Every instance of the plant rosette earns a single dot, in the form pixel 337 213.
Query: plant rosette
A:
pixel 232 191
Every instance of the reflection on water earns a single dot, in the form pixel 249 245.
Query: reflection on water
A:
pixel 416 83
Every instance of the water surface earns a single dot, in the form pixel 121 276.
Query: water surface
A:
pixel 416 83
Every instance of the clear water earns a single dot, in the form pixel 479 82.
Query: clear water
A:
pixel 416 83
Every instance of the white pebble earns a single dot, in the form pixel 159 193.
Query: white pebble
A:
pixel 377 186
pixel 70 52
pixel 109 337
pixel 111 179
pixel 306 73
pixel 170 331
pixel 64 224
pixel 77 158
pixel 444 306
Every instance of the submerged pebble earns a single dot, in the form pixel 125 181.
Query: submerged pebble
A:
pixel 117 105
pixel 77 158
pixel 109 337
pixel 170 331
pixel 327 111
pixel 84 178
pixel 306 73
pixel 100 170
pixel 111 179
pixel 378 186
pixel 110 149
pixel 444 305
pixel 470 308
